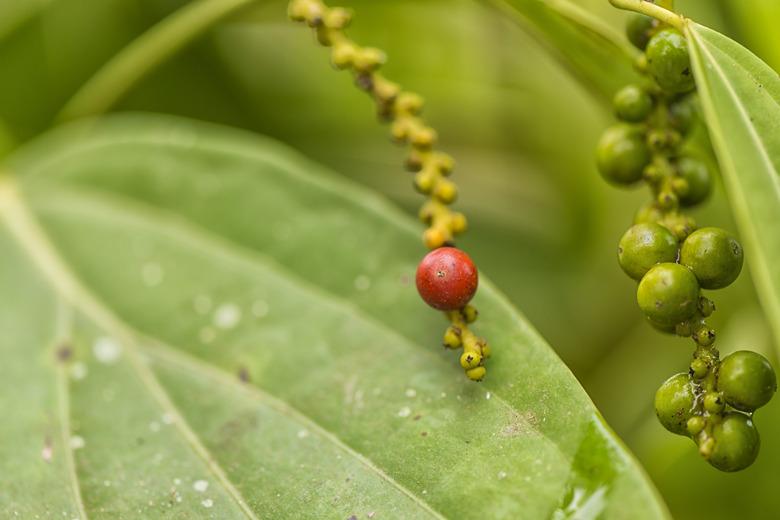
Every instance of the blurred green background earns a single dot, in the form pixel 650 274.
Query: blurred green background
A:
pixel 544 226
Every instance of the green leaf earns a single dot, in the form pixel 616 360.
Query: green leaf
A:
pixel 204 323
pixel 740 96
pixel 599 56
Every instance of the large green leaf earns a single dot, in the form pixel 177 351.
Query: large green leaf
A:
pixel 596 54
pixel 204 324
pixel 740 96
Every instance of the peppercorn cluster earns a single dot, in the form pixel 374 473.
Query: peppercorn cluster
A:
pixel 431 168
pixel 672 260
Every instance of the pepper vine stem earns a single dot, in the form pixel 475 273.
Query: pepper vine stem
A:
pixel 657 11
pixel 431 167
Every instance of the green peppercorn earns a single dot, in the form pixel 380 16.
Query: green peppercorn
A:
pixel 648 213
pixel 695 425
pixel 643 246
pixel 713 403
pixel 639 29
pixel 669 62
pixel 697 176
pixel 622 154
pixel 747 380
pixel 675 403
pixel 714 256
pixel 682 114
pixel 699 368
pixel 668 294
pixel 736 443
pixel 632 104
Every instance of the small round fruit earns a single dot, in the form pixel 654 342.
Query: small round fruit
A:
pixel 639 29
pixel 633 104
pixel 736 443
pixel 714 256
pixel 698 178
pixel 622 155
pixel 447 279
pixel 669 62
pixel 643 246
pixel 675 403
pixel 668 294
pixel 682 114
pixel 746 380
pixel 648 213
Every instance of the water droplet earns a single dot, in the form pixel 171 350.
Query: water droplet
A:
pixel 362 283
pixel 207 503
pixel 411 392
pixel 200 486
pixel 152 274
pixel 106 350
pixel 404 412
pixel 227 316
pixel 501 475
pixel 77 442
pixel 302 434
pixel 78 371
pixel 487 395
pixel 201 304
pixel 260 309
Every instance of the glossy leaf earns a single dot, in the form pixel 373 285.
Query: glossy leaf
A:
pixel 740 96
pixel 598 55
pixel 206 324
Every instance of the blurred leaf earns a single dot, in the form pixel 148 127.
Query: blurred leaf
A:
pixel 598 55
pixel 756 22
pixel 740 96
pixel 243 338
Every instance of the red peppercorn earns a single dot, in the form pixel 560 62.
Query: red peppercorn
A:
pixel 447 279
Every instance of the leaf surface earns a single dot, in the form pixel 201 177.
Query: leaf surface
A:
pixel 740 96
pixel 237 335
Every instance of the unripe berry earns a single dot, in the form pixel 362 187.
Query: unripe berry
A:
pixel 622 155
pixel 435 237
pixel 632 104
pixel 643 246
pixel 675 403
pixel 714 256
pixel 447 279
pixel 695 425
pixel 445 191
pixel 476 374
pixel 458 223
pixel 423 138
pixel 452 337
pixel 697 177
pixel 746 380
pixel 669 62
pixel 682 114
pixel 469 313
pixel 368 59
pixel 668 294
pixel 713 403
pixel 639 29
pixel 736 443
pixel 699 368
pixel 469 360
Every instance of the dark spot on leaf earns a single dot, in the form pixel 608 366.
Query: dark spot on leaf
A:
pixel 686 72
pixel 417 417
pixel 243 374
pixel 353 517
pixel 424 434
